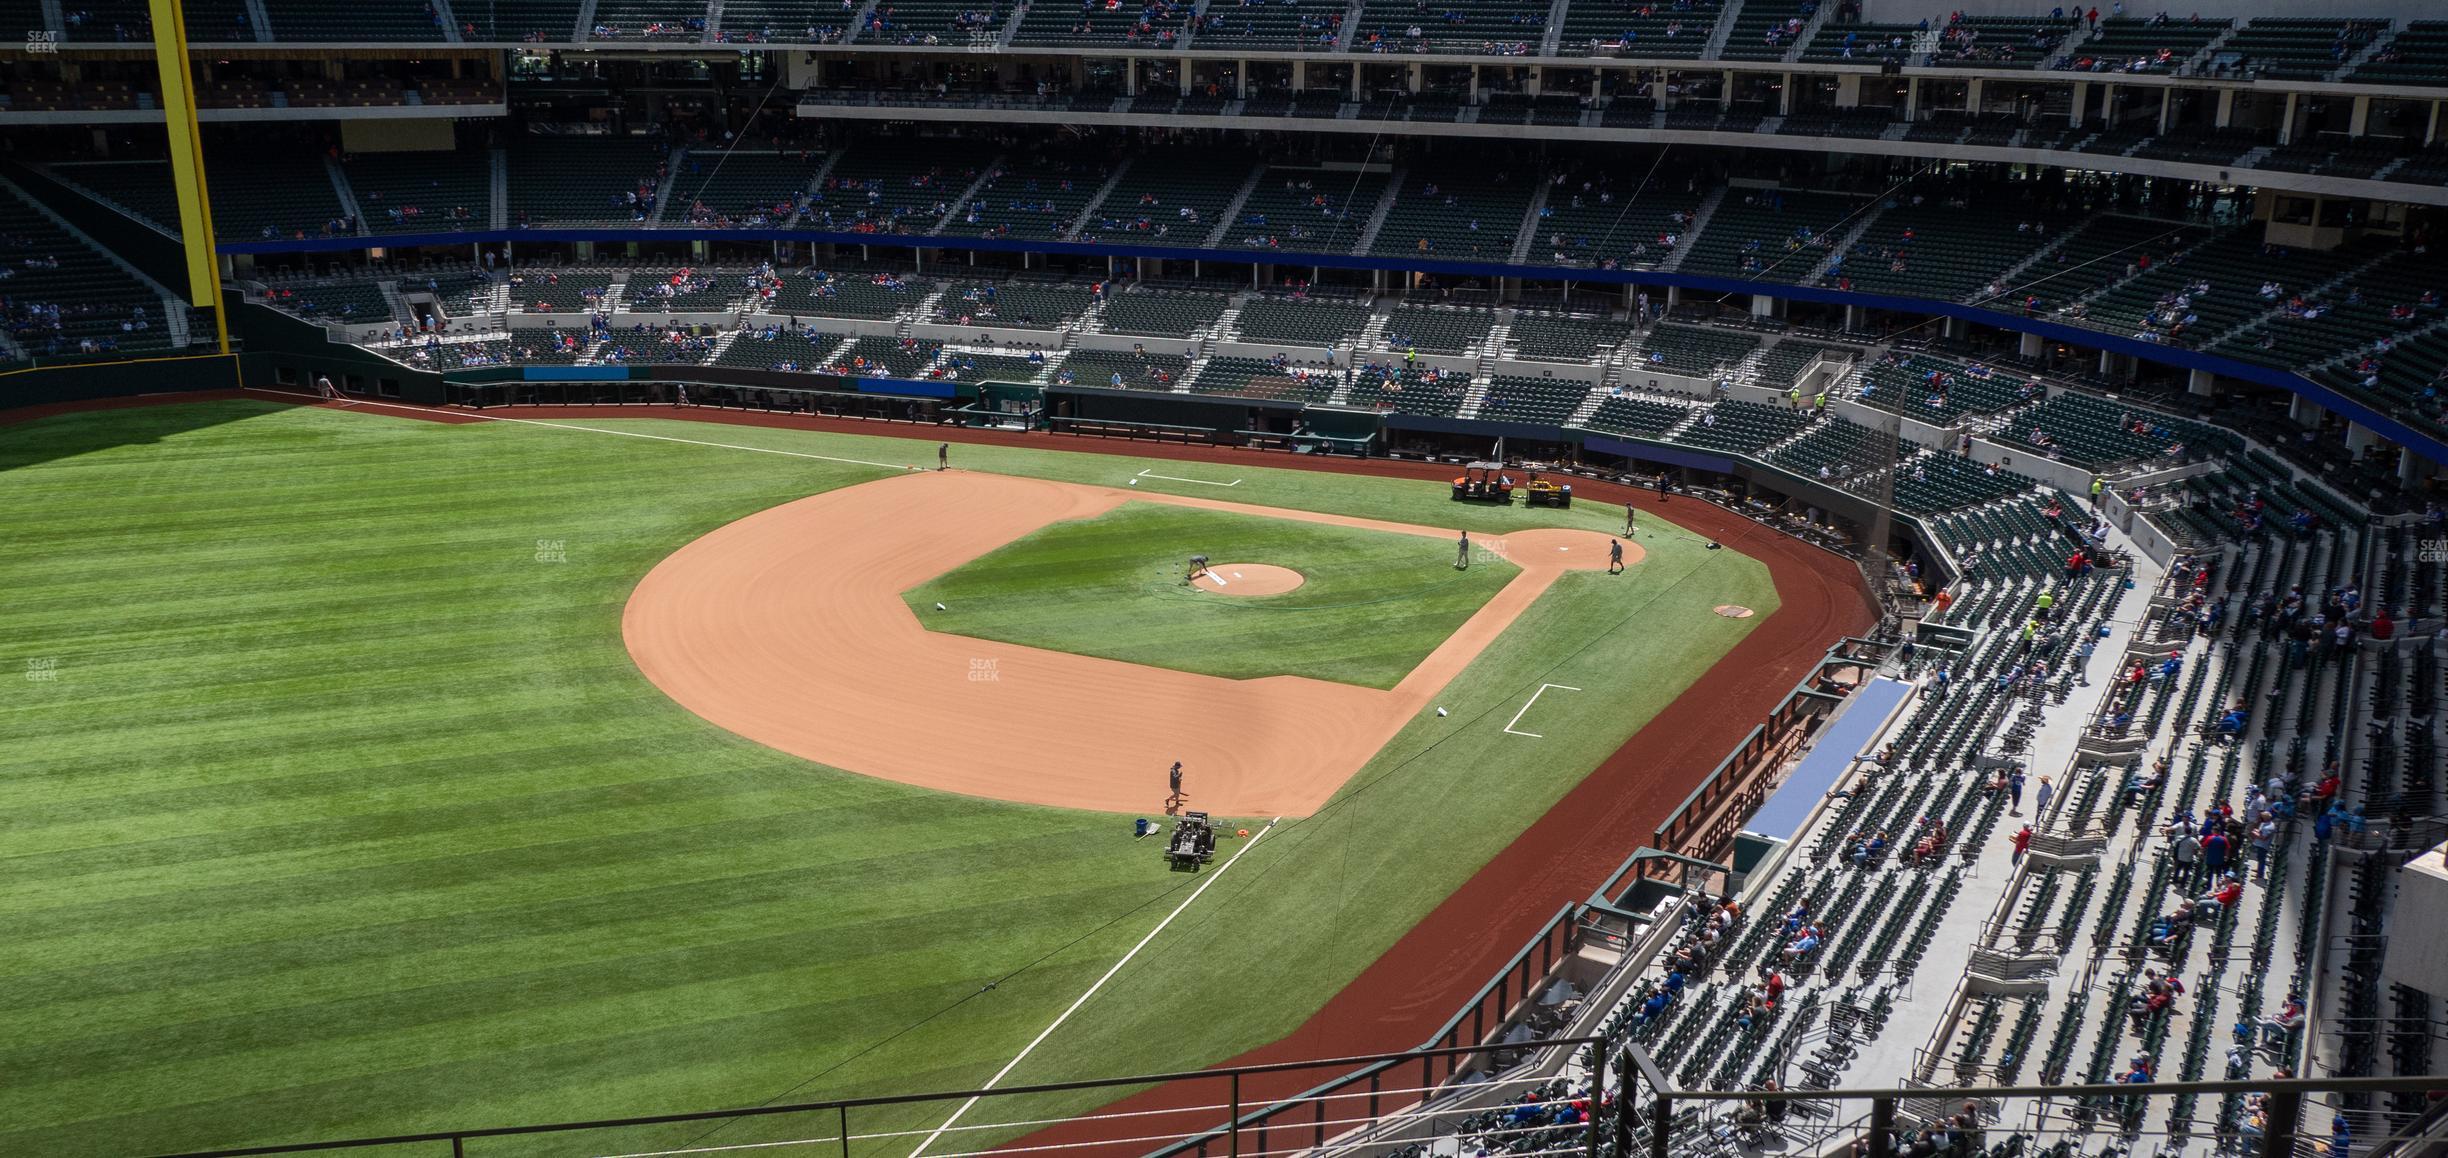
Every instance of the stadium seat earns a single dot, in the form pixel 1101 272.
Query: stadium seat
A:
pixel 1437 329
pixel 779 349
pixel 422 192
pixel 1743 427
pixel 1517 398
pixel 581 180
pixel 1774 235
pixel 1136 370
pixel 741 187
pixel 1306 211
pixel 1693 351
pixel 1300 322
pixel 1159 314
pixel 1633 415
pixel 1168 197
pixel 2158 44
pixel 1256 378
pixel 1460 217
pixel 1484 27
pixel 1678 30
pixel 1414 390
pixel 1574 338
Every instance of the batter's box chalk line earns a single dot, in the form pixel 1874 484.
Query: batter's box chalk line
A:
pixel 1525 709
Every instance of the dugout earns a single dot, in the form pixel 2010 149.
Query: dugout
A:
pixel 1108 413
pixel 1424 436
pixel 1003 404
pixel 766 391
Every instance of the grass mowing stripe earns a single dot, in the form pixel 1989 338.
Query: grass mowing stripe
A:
pixel 565 861
pixel 896 882
pixel 264 562
pixel 510 995
pixel 535 763
pixel 327 968
pixel 597 1025
pixel 218 835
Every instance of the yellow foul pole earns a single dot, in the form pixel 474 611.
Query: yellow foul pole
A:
pixel 187 162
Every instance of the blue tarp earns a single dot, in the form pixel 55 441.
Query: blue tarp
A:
pixel 1867 708
pixel 911 387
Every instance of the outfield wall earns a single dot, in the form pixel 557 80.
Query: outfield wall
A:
pixel 1105 412
pixel 117 378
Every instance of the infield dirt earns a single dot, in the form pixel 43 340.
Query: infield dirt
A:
pixel 787 627
pixel 1425 976
pixel 1248 580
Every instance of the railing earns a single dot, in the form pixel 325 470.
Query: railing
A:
pixel 1131 428
pixel 1447 1052
pixel 2382 834
pixel 827 1127
pixel 1705 822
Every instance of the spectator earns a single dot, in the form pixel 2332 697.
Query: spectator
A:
pixel 2276 1027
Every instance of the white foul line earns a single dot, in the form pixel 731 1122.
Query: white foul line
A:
pixel 1031 1047
pixel 1525 709
pixel 623 433
pixel 1151 473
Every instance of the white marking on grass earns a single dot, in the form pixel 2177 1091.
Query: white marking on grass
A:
pixel 1525 709
pixel 1151 473
pixel 1031 1047
pixel 545 422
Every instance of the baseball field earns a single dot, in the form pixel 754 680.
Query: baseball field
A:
pixel 362 773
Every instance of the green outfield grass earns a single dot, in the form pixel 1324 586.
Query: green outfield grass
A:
pixel 1371 606
pixel 333 805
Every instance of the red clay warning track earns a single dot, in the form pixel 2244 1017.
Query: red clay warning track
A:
pixel 1426 975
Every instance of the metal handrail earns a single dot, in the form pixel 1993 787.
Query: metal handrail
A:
pixel 1229 1073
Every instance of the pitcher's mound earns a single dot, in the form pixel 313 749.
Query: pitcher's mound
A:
pixel 1248 579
